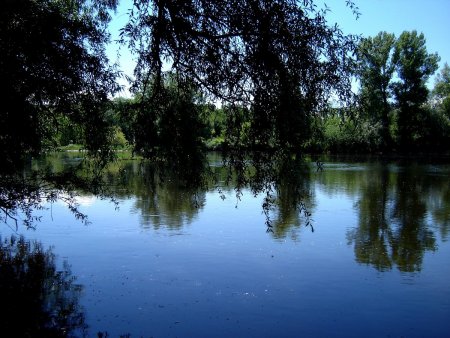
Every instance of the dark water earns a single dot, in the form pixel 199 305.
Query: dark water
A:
pixel 375 261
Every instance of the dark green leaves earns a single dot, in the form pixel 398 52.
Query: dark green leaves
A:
pixel 53 64
pixel 54 73
pixel 277 58
pixel 414 67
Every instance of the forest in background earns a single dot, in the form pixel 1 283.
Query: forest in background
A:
pixel 214 75
pixel 393 110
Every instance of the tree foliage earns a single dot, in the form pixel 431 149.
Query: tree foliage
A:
pixel 414 66
pixel 272 64
pixel 376 66
pixel 54 73
pixel 441 91
pixel 393 73
pixel 253 75
pixel 53 64
pixel 169 125
pixel 278 58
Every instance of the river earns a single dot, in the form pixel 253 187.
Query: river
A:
pixel 372 259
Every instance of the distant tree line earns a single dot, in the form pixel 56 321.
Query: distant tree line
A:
pixel 394 111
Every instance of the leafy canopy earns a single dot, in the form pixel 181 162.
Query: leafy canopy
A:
pixel 393 73
pixel 414 66
pixel 278 58
pixel 441 91
pixel 53 64
pixel 376 65
pixel 272 65
pixel 53 69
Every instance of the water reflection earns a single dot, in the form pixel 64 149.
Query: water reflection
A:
pixel 225 274
pixel 402 209
pixel 37 299
pixel 161 199
pixel 393 205
pixel 293 202
pixel 372 236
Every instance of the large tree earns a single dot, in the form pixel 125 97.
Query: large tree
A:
pixel 52 64
pixel 280 58
pixel 53 68
pixel 376 67
pixel 273 64
pixel 414 66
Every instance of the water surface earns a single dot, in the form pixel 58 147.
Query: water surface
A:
pixel 172 262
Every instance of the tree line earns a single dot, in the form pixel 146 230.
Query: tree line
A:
pixel 252 74
pixel 394 110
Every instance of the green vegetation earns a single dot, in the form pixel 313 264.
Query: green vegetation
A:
pixel 394 112
pixel 264 82
pixel 55 89
pixel 55 77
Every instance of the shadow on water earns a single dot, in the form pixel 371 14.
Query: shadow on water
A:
pixel 38 300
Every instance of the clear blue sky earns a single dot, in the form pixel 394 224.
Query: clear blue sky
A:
pixel 431 17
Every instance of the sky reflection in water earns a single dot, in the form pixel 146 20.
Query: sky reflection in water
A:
pixel 377 263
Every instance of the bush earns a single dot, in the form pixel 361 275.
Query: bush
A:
pixel 119 140
pixel 344 135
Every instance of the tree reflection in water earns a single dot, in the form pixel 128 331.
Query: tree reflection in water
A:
pixel 37 299
pixel 293 201
pixel 394 207
pixel 172 199
pixel 401 208
pixel 161 197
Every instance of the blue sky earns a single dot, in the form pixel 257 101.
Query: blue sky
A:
pixel 431 17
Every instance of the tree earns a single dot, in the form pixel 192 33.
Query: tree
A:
pixel 376 67
pixel 54 72
pixel 53 63
pixel 122 113
pixel 414 67
pixel 277 57
pixel 277 60
pixel 170 126
pixel 441 91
